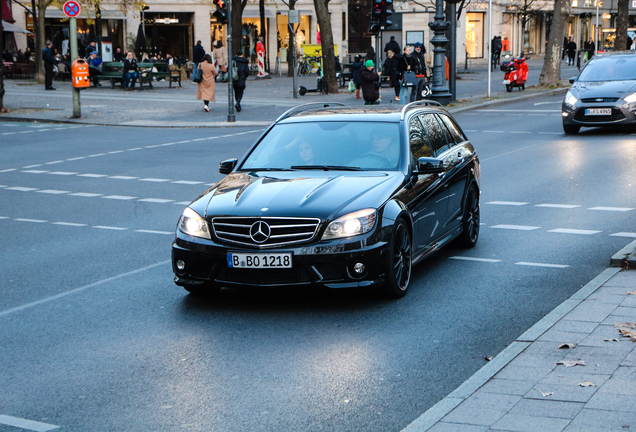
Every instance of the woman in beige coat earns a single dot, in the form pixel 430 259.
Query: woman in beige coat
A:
pixel 205 90
pixel 220 56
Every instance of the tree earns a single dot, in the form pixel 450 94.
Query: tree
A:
pixel 524 11
pixel 622 16
pixel 326 42
pixel 291 4
pixel 237 25
pixel 551 71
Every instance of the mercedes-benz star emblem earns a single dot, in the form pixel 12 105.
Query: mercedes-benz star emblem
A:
pixel 260 232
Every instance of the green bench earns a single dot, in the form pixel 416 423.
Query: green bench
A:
pixel 114 72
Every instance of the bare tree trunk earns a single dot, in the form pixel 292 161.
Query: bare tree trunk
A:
pixel 237 27
pixel 326 42
pixel 622 16
pixel 551 72
pixel 40 39
pixel 292 42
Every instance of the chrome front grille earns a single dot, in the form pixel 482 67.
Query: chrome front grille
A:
pixel 263 232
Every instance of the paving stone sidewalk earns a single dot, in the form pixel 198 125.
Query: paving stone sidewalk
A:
pixel 533 386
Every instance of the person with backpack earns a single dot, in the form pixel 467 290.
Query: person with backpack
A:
pixel 242 71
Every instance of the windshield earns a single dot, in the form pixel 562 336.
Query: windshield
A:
pixel 329 146
pixel 614 68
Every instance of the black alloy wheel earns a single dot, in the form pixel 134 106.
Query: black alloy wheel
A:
pixel 398 274
pixel 570 129
pixel 470 220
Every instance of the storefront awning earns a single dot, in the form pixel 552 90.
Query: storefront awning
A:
pixel 6 12
pixel 12 28
pixel 106 14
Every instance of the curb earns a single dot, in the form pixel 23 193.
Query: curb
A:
pixel 625 258
pixel 551 92
pixel 481 377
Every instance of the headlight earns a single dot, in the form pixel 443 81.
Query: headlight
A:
pixel 570 99
pixel 631 98
pixel 352 224
pixel 193 224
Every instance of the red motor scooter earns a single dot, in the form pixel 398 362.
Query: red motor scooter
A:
pixel 516 73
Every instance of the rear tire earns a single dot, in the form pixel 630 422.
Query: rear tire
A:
pixel 509 88
pixel 570 129
pixel 399 264
pixel 470 219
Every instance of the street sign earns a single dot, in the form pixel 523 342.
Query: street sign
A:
pixel 293 17
pixel 71 9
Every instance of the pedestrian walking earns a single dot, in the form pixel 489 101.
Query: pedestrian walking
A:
pixel 205 89
pixel 370 86
pixel 220 57
pixel 565 48
pixel 496 50
pixel 406 63
pixel 356 66
pixel 419 61
pixel 390 69
pixel 591 46
pixel 197 57
pixel 392 45
pixel 49 62
pixel 243 70
pixel 370 55
pixel 571 51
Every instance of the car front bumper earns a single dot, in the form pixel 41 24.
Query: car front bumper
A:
pixel 324 263
pixel 622 114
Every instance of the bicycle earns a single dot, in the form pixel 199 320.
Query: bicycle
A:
pixel 306 67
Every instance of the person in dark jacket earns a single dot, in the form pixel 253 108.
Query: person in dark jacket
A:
pixel 392 45
pixel 370 88
pixel 130 71
pixel 243 69
pixel 370 55
pixel 390 69
pixel 496 49
pixel 197 57
pixel 419 61
pixel 356 66
pixel 49 61
pixel 118 56
pixel 565 47
pixel 630 41
pixel 571 52
pixel 406 63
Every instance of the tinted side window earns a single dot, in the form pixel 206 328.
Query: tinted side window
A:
pixel 435 133
pixel 455 132
pixel 418 140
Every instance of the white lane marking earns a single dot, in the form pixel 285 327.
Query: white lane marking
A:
pixel 32 166
pixel 508 203
pixel 77 158
pixel 152 146
pixel 4 217
pixel 185 203
pixel 34 171
pixel 489 131
pixel 30 220
pixel 624 234
pixel 563 206
pixel 63 173
pixel 98 154
pixel 573 231
pixel 85 194
pixel 52 191
pixel 123 177
pixel 26 132
pixel 546 103
pixel 21 189
pixel 156 200
pixel 116 151
pixel 8 170
pixel 9 133
pixel 110 228
pixel 614 209
pixel 155 232
pixel 154 180
pixel 516 227
pixel 26 424
pixel 550 133
pixel 520 132
pixel 69 224
pixel 92 175
pixel 542 265
pixel 120 197
pixel 76 290
pixel 134 149
pixel 52 163
pixel 461 258
pixel 188 182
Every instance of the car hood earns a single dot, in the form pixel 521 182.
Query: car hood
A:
pixel 603 89
pixel 323 194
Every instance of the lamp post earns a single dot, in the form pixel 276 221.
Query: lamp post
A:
pixel 231 117
pixel 597 35
pixel 439 27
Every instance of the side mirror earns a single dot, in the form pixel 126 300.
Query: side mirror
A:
pixel 572 80
pixel 227 166
pixel 428 165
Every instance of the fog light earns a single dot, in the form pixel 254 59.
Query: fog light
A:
pixel 564 114
pixel 180 265
pixel 359 268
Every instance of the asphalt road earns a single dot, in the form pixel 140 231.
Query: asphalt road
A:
pixel 95 336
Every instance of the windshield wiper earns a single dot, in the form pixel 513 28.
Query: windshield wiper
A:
pixel 326 167
pixel 267 169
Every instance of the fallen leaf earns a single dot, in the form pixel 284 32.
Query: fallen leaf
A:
pixel 490 358
pixel 610 340
pixel 544 394
pixel 570 363
pixel 587 384
pixel 566 346
pixel 631 292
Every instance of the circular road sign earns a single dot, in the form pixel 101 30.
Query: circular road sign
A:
pixel 71 9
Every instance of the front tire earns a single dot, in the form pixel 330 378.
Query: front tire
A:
pixel 399 264
pixel 470 219
pixel 570 129
pixel 508 88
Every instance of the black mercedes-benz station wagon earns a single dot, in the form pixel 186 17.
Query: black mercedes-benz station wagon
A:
pixel 336 197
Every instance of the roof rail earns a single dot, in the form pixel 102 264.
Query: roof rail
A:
pixel 307 106
pixel 420 102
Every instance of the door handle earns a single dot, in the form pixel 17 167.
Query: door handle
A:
pixel 460 156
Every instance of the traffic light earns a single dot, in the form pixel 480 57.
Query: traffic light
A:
pixel 387 10
pixel 380 13
pixel 221 11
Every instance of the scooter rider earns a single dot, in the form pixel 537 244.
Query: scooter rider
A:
pixel 420 70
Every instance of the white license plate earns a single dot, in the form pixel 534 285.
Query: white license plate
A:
pixel 259 260
pixel 598 111
pixel 506 81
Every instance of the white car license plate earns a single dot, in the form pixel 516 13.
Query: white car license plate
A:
pixel 598 111
pixel 259 260
pixel 506 81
